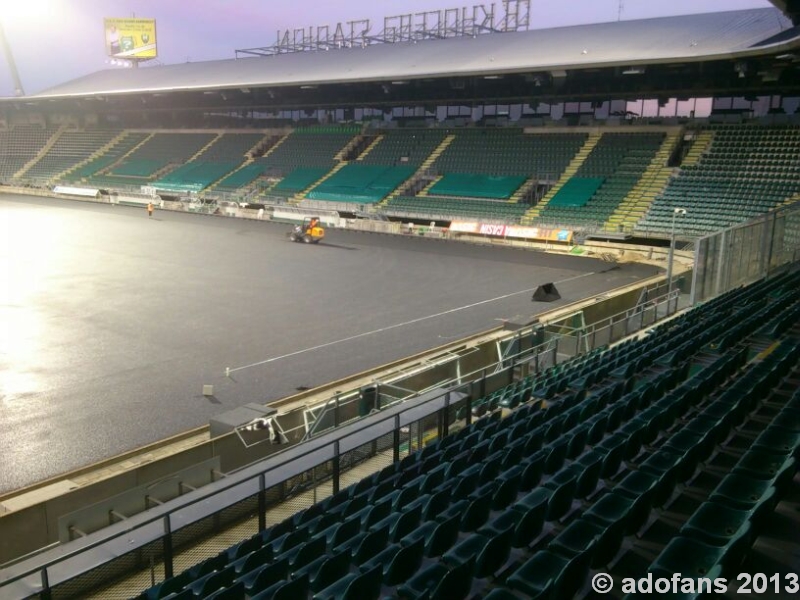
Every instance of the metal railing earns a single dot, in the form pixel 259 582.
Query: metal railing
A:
pixel 746 252
pixel 411 420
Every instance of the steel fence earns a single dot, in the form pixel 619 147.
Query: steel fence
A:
pixel 745 253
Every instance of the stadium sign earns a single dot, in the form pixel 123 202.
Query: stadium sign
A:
pixel 434 24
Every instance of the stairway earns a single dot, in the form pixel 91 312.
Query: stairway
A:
pixel 523 190
pixel 44 150
pixel 371 147
pixel 119 161
pixel 197 154
pixel 424 191
pixel 424 167
pixel 530 216
pixel 99 152
pixel 649 186
pixel 300 196
pixel 276 145
pixel 699 147
pixel 248 160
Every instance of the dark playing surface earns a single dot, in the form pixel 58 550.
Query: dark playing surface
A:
pixel 110 322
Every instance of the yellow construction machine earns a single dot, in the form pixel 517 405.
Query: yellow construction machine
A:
pixel 309 232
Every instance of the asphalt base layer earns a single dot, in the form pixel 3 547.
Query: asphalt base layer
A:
pixel 111 322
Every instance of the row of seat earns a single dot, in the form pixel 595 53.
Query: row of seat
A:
pixel 743 163
pixel 527 505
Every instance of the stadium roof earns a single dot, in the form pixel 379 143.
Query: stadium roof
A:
pixel 790 7
pixel 688 38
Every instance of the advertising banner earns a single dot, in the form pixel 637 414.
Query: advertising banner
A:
pixel 512 231
pixel 131 38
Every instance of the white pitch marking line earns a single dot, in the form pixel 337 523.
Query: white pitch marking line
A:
pixel 229 370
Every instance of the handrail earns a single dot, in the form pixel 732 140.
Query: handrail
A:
pixel 326 446
pixel 422 407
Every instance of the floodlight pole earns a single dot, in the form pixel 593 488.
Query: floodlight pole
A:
pixel 12 66
pixel 670 258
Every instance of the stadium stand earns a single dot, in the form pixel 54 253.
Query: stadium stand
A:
pixel 158 153
pixel 69 149
pixel 578 478
pixel 745 171
pixel 310 147
pixel 240 178
pixel 100 160
pixel 313 149
pixel 513 153
pixel 404 147
pixel 471 182
pixel 605 178
pixel 361 183
pixel 451 208
pixel 225 154
pixel 19 146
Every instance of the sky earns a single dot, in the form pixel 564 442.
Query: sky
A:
pixel 54 41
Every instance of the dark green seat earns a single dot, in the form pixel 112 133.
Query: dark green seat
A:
pixel 244 548
pixel 668 468
pixel 777 440
pixel 614 449
pixel 260 579
pixel 398 562
pixel 550 575
pixel 556 454
pixel 253 560
pixel 285 590
pixel 325 570
pixel 506 492
pixel 489 553
pixel 372 544
pixel 168 586
pixel 558 500
pixel 589 468
pixel 638 484
pixel 305 553
pixel 232 592
pixel 597 428
pixel 439 537
pixel 766 466
pixel 339 533
pixel 288 541
pixel 564 486
pixel 532 470
pixel 526 523
pixel 577 441
pixel 582 535
pixel 745 493
pixel 213 581
pixel 446 583
pixel 501 594
pixel 365 585
pixel 432 505
pixel 400 523
pixel 477 512
pixel 695 442
pixel 611 509
pixel 691 558
pixel 721 526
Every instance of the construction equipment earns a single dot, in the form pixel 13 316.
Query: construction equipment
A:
pixel 309 232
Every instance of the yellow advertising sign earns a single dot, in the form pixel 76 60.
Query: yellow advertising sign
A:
pixel 131 38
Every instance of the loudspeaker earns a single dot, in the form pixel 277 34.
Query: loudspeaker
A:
pixel 546 293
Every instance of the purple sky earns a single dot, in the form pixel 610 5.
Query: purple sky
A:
pixel 57 40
